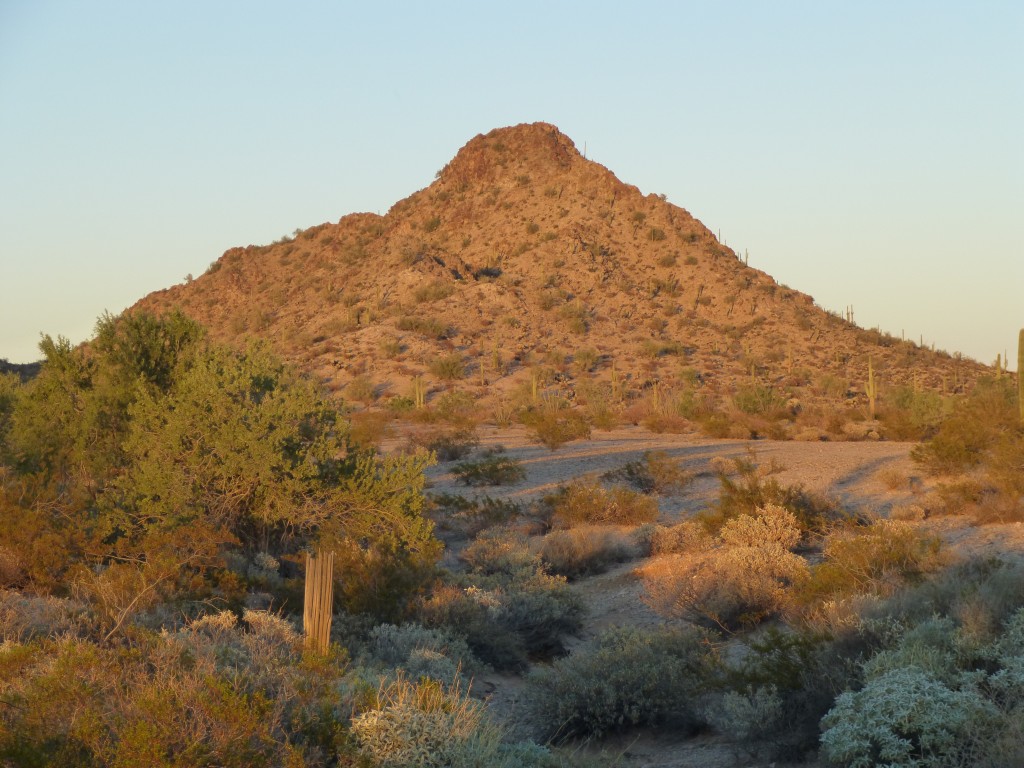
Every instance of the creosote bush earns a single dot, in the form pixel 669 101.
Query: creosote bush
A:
pixel 553 423
pixel 586 550
pixel 507 607
pixel 492 468
pixel 470 515
pixel 654 472
pixel 579 504
pixel 628 677
pixel 747 486
pixel 743 578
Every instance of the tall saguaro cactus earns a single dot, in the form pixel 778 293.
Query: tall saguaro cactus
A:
pixel 871 390
pixel 319 603
pixel 1020 374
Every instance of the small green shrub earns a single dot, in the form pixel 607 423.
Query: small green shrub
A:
pixel 425 326
pixel 361 389
pixel 554 423
pixel 447 444
pixel 434 291
pixel 493 468
pixel 872 559
pixel 964 439
pixel 421 652
pixel 759 400
pixel 654 472
pixel 507 607
pixel 449 367
pixel 471 515
pixel 627 678
pixel 579 504
pixel 751 490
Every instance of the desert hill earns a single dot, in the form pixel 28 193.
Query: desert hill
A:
pixel 525 261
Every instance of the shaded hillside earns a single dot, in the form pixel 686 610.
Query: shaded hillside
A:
pixel 523 260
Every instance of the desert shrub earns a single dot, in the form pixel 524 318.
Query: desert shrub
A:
pixel 426 326
pixel 759 399
pixel 911 414
pixel 579 503
pixel 687 536
pixel 872 559
pixel 654 472
pixel 964 438
pixel 750 716
pixel 26 617
pixel 585 359
pixel 368 428
pixel 471 515
pixel 429 724
pixel 776 691
pixel 751 490
pixel 903 718
pixel 448 367
pixel 501 551
pixel 508 608
pixel 447 444
pixel 362 389
pixel 455 407
pixel 585 550
pixel 628 677
pixel 493 468
pixel 980 595
pixel 768 526
pixel 728 586
pixel 554 423
pixel 217 692
pixel 382 580
pixel 433 291
pixel 421 652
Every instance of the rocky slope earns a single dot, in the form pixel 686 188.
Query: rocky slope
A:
pixel 524 261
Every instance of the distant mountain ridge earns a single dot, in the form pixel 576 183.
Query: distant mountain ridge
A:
pixel 522 255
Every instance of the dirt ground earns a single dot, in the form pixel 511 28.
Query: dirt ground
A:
pixel 870 477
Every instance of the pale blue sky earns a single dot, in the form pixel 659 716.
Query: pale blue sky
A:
pixel 867 153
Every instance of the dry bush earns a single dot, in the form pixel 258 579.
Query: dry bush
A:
pixel 369 428
pixel 554 423
pixel 771 525
pixel 688 536
pixel 893 479
pixel 729 587
pixel 586 550
pixel 579 504
pixel 218 692
pixel 654 472
pixel 748 486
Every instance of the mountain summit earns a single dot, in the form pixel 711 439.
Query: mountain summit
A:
pixel 524 259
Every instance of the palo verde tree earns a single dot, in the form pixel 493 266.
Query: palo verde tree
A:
pixel 150 433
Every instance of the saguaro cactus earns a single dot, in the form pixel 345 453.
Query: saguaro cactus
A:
pixel 1020 374
pixel 871 390
pixel 319 604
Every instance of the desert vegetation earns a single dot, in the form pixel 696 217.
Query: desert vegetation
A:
pixel 161 485
pixel 160 490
